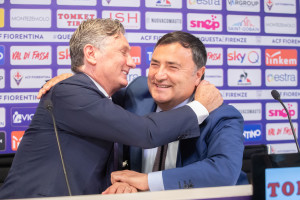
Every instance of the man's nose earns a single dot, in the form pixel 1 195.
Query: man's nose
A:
pixel 161 73
pixel 130 62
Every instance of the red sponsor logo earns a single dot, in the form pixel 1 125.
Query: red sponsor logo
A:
pixel 214 56
pixel 69 19
pixel 32 55
pixel 16 137
pixel 281 57
pixel 64 55
pixel 128 17
pixel 135 53
pixel 281 131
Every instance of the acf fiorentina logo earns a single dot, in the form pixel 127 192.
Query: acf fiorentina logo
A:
pixel 269 4
pixel 18 77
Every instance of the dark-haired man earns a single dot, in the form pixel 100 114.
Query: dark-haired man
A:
pixel 212 159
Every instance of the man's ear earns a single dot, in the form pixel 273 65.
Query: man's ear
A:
pixel 89 52
pixel 200 75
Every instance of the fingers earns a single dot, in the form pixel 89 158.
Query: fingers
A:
pixel 46 87
pixel 120 188
pixel 208 95
pixel 119 176
pixel 41 92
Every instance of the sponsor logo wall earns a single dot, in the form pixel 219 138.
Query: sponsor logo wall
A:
pixel 252 47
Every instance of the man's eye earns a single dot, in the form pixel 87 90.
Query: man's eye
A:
pixel 173 67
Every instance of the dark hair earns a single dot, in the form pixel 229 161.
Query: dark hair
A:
pixel 189 41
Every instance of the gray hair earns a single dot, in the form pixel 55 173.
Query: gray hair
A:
pixel 94 32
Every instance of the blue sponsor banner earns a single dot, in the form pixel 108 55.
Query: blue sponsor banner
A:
pixel 21 117
pixel 252 132
pixel 149 51
pixel 2 55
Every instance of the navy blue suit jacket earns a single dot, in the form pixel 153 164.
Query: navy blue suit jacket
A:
pixel 212 159
pixel 88 123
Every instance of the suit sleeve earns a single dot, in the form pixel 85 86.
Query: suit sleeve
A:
pixel 221 164
pixel 82 111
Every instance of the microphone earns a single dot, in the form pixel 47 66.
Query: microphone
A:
pixel 49 106
pixel 276 96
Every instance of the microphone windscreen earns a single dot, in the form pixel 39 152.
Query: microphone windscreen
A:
pixel 275 94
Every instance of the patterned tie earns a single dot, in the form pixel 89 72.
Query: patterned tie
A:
pixel 160 159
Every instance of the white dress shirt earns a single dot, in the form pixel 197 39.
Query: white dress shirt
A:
pixel 155 180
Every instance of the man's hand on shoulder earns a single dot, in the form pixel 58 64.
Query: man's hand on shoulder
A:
pixel 47 86
pixel 208 95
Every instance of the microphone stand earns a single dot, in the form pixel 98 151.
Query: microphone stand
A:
pixel 276 96
pixel 49 107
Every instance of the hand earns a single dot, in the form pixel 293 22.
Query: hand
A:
pixel 47 86
pixel 119 187
pixel 208 95
pixel 135 179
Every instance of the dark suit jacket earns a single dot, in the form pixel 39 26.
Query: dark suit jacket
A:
pixel 88 123
pixel 213 159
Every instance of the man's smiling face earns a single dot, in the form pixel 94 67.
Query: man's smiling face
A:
pixel 172 75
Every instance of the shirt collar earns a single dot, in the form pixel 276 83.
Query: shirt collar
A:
pixel 158 109
pixel 99 87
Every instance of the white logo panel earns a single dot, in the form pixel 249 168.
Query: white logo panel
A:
pixel 163 21
pixel 29 78
pixel 204 4
pixel 281 77
pixel 250 111
pixel 133 74
pixel 282 148
pixel 280 131
pixel 33 2
pixel 129 19
pixel 275 111
pixel 285 25
pixel 30 55
pixel 30 18
pixel 214 76
pixel 73 18
pixel 280 6
pixel 163 4
pixel 214 56
pixel 243 57
pixel 77 2
pixel 62 71
pixel 243 6
pixel 63 55
pixel 2 118
pixel 121 3
pixel 204 22
pixel 244 77
pixel 243 23
pixel 2 78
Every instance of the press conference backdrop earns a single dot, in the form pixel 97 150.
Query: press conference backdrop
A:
pixel 252 48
